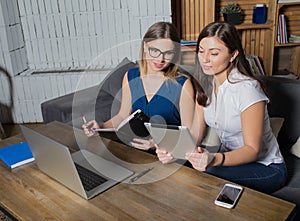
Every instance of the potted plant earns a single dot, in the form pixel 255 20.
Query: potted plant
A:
pixel 232 13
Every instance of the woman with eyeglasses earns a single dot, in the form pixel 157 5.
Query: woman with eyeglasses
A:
pixel 156 86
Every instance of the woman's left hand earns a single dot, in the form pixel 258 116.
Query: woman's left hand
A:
pixel 142 144
pixel 164 156
pixel 200 159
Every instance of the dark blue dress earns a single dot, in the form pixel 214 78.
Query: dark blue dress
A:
pixel 163 108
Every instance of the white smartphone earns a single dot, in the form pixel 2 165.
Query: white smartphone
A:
pixel 229 195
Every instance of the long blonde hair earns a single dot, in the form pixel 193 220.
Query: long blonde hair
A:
pixel 161 30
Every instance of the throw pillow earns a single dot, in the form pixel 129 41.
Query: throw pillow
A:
pixel 113 81
pixel 109 97
pixel 296 148
pixel 276 124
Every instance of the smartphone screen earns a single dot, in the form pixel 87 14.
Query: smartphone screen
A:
pixel 229 195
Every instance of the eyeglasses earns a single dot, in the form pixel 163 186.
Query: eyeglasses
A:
pixel 155 53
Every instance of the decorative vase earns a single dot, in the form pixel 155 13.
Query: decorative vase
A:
pixel 233 18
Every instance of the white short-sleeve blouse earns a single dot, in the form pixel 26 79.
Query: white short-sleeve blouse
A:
pixel 234 96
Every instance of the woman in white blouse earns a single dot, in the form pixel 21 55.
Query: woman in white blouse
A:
pixel 233 102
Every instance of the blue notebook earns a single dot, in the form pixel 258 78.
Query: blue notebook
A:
pixel 16 155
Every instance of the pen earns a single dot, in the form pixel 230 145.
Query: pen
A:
pixel 133 179
pixel 84 119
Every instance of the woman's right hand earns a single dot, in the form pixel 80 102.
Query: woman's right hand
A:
pixel 87 128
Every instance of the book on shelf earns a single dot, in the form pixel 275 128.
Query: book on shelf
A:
pixel 282 30
pixel 188 43
pixel 255 64
pixel 16 155
pixel 131 127
pixel 294 39
pixel 285 1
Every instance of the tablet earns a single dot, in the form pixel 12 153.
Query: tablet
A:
pixel 177 140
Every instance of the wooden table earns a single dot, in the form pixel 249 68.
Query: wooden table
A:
pixel 168 192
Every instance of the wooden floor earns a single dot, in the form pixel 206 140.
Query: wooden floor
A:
pixel 13 129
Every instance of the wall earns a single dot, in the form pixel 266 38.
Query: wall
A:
pixel 47 46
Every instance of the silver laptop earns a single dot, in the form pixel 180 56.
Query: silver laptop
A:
pixel 177 140
pixel 73 170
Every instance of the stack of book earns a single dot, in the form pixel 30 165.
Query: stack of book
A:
pixel 294 39
pixel 188 49
pixel 255 64
pixel 189 44
pixel 285 1
pixel 282 32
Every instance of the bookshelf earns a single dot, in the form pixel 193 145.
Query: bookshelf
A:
pixel 257 39
pixel 291 11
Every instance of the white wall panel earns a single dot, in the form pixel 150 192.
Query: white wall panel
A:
pixel 62 52
pixel 21 5
pixel 74 50
pixel 2 63
pixel 51 27
pixel 8 63
pixel 75 6
pixel 143 8
pixel 48 6
pixel 24 58
pixel 82 6
pixel 57 25
pixel 91 25
pixel 27 6
pixel 110 5
pixel 10 12
pixel 34 7
pixel 96 5
pixel 9 38
pixel 68 34
pixel 42 53
pixel 38 26
pixel 3 39
pixel 64 25
pixel 159 7
pixel 151 9
pixel 54 6
pixel 89 6
pixel 5 95
pixel 45 30
pixel 67 45
pixel 68 6
pixel 19 35
pixel 71 25
pixel 61 5
pixel 55 52
pixel 41 6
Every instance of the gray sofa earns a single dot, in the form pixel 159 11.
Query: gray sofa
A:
pixel 103 101
pixel 285 103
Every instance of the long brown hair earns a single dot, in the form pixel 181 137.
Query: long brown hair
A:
pixel 227 33
pixel 162 30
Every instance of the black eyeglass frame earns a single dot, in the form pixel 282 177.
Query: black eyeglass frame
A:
pixel 162 53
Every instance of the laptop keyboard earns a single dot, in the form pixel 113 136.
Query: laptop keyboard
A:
pixel 89 179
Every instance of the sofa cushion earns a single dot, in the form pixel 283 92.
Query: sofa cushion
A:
pixel 110 92
pixel 276 124
pixel 285 103
pixel 296 148
pixel 93 102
